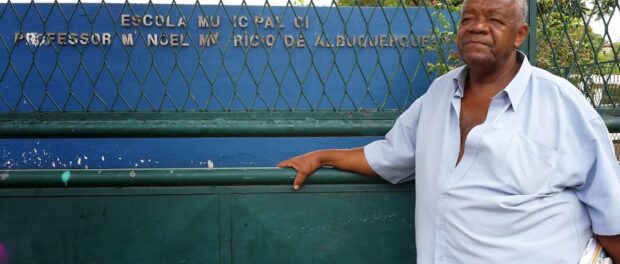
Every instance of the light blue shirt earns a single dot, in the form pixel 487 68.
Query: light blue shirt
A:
pixel 535 180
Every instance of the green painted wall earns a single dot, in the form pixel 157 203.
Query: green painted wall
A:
pixel 368 221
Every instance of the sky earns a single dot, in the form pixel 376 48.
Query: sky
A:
pixel 614 25
pixel 614 28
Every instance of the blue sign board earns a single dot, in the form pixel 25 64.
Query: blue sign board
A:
pixel 152 58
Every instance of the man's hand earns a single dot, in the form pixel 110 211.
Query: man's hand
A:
pixel 611 244
pixel 345 159
pixel 305 165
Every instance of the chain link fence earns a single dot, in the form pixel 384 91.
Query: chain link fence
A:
pixel 117 61
pixel 126 57
pixel 578 40
pixel 182 58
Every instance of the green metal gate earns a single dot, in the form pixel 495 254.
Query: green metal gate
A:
pixel 238 215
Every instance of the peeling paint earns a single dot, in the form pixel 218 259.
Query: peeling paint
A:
pixel 78 154
pixel 132 174
pixel 4 176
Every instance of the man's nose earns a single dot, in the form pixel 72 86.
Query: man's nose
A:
pixel 479 26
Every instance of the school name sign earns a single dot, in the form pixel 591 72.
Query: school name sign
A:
pixel 242 27
pixel 145 57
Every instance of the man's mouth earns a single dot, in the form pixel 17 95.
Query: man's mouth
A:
pixel 476 42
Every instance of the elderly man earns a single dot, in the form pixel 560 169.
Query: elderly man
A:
pixel 511 164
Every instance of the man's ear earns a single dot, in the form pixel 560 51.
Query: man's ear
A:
pixel 521 34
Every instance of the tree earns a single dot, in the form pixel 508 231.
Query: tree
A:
pixel 609 52
pixel 566 44
pixel 443 34
pixel 564 41
pixel 388 2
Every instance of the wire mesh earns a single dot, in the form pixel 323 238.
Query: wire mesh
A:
pixel 86 57
pixel 351 56
pixel 59 57
pixel 569 46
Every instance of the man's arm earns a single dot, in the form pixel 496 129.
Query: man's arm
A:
pixel 345 159
pixel 611 244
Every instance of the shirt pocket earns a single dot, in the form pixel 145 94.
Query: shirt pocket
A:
pixel 529 166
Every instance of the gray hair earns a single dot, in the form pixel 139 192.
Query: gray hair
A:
pixel 522 8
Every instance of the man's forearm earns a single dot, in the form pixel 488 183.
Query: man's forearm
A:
pixel 611 244
pixel 347 159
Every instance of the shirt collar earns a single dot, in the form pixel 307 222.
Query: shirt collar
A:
pixel 514 89
pixel 459 80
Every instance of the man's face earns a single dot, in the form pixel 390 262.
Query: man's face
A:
pixel 489 31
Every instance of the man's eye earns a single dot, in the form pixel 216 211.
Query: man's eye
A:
pixel 497 20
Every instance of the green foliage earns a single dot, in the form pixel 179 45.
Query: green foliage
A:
pixel 378 2
pixel 609 53
pixel 566 44
pixel 429 3
pixel 445 33
pixel 563 41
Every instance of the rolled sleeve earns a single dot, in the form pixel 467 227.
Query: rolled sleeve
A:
pixel 393 158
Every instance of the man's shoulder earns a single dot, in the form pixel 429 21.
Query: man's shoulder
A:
pixel 550 78
pixel 452 74
pixel 551 88
pixel 446 80
pixel 555 82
